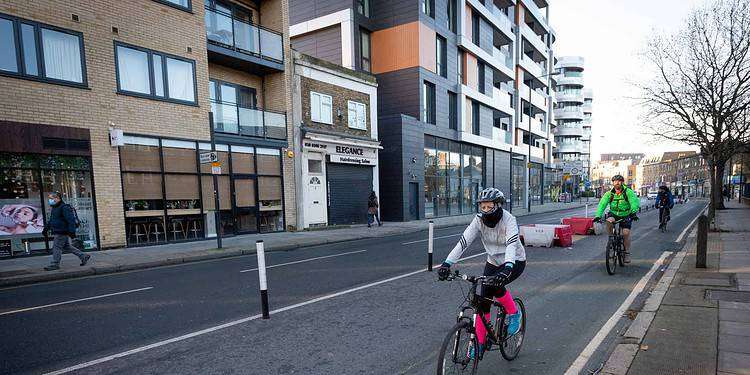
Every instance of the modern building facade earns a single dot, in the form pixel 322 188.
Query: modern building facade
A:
pixel 573 113
pixel 114 101
pixel 336 142
pixel 463 94
pixel 684 172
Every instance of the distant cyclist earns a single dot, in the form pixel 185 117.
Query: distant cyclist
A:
pixel 623 204
pixel 664 202
pixel 506 257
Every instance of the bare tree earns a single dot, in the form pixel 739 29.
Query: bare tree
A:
pixel 699 92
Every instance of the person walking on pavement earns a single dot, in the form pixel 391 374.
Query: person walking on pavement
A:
pixel 372 210
pixel 63 223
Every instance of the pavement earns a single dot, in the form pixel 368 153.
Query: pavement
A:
pixel 363 306
pixel 696 320
pixel 25 270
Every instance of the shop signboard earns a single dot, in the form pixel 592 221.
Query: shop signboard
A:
pixel 352 160
pixel 209 157
pixel 5 249
pixel 343 153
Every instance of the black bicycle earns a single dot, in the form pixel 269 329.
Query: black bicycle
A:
pixel 663 218
pixel 615 248
pixel 458 353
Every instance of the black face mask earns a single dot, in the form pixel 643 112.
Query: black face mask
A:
pixel 491 218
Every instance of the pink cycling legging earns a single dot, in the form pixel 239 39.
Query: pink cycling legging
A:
pixel 510 307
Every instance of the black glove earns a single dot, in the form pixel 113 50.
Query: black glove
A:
pixel 597 220
pixel 444 271
pixel 502 276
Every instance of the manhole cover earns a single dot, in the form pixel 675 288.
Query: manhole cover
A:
pixel 728 295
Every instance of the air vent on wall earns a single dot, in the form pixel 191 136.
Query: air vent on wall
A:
pixel 65 144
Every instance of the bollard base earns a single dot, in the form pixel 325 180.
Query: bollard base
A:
pixel 429 262
pixel 264 304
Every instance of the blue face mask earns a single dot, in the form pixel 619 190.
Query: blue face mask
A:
pixel 51 202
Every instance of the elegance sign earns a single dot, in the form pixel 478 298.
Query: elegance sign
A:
pixel 349 154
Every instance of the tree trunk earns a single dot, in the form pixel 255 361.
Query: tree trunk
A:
pixel 719 180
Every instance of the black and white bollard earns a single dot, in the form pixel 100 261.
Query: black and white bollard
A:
pixel 702 245
pixel 587 209
pixel 262 277
pixel 430 232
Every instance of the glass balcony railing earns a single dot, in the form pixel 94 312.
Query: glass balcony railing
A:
pixel 500 135
pixel 244 37
pixel 251 122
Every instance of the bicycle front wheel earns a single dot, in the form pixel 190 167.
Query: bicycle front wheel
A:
pixel 458 351
pixel 611 257
pixel 511 346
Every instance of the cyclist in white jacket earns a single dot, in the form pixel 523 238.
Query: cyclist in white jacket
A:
pixel 506 257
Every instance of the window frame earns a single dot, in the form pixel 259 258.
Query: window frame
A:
pixel 357 105
pixel 165 75
pixel 319 120
pixel 428 8
pixel 452 110
pixel 475 28
pixel 17 23
pixel 429 102
pixel 481 76
pixel 475 114
pixel 451 13
pixel 362 34
pixel 188 9
pixel 441 55
pixel 366 8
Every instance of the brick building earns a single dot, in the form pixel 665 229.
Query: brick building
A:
pixel 684 172
pixel 153 74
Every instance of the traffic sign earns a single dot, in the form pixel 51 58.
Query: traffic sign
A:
pixel 209 157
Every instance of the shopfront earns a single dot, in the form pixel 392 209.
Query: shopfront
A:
pixel 452 177
pixel 36 160
pixel 168 193
pixel 339 173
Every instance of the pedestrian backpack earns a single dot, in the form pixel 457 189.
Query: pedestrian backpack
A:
pixel 612 195
pixel 76 220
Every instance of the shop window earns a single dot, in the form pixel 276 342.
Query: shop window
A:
pixel 8 160
pixel 269 194
pixel 223 160
pixel 182 194
pixel 76 190
pixel 269 162
pixel 180 158
pixel 243 160
pixel 21 211
pixel 225 194
pixel 244 192
pixel 142 192
pixel 140 158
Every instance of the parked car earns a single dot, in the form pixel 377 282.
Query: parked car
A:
pixel 651 195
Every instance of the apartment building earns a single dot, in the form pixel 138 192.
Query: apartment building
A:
pixel 463 94
pixel 112 103
pixel 684 172
pixel 573 113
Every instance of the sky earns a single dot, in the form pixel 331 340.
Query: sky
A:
pixel 610 35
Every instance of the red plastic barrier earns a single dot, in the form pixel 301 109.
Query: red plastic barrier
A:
pixel 580 225
pixel 563 236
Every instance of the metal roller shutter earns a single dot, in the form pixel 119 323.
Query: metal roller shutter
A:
pixel 349 187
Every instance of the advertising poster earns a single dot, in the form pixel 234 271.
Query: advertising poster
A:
pixel 20 217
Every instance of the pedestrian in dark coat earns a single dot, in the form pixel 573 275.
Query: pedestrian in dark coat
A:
pixel 62 225
pixel 372 210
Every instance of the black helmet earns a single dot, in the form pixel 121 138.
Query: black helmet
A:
pixel 496 196
pixel 618 177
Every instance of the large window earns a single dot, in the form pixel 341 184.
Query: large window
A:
pixel 441 56
pixel 364 46
pixel 518 181
pixel 453 110
pixel 146 73
pixel 428 102
pixel 428 8
pixel 363 7
pixel 41 52
pixel 234 109
pixel 453 177
pixel 321 107
pixel 451 11
pixel 180 4
pixel 475 28
pixel 357 115
pixel 481 77
pixel 475 117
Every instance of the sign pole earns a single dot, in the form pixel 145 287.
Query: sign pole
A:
pixel 217 215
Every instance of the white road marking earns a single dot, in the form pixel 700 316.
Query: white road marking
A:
pixel 236 322
pixel 690 225
pixel 577 366
pixel 434 238
pixel 74 301
pixel 306 260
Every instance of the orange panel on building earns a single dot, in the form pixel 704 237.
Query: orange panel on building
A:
pixel 467 22
pixel 427 48
pixel 471 73
pixel 396 48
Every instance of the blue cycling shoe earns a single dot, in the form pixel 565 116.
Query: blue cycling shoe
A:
pixel 514 323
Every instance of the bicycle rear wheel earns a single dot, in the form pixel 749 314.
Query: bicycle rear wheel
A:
pixel 621 252
pixel 455 351
pixel 611 257
pixel 511 346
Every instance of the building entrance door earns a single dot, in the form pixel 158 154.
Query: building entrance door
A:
pixel 315 202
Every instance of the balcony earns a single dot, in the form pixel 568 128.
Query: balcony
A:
pixel 535 40
pixel 502 101
pixel 587 107
pixel 536 12
pixel 537 152
pixel 563 80
pixel 538 70
pixel 538 99
pixel 575 131
pixel 496 17
pixel 504 56
pixel 537 125
pixel 242 45
pixel 570 147
pixel 249 122
pixel 502 136
pixel 572 96
pixel 570 62
pixel 574 113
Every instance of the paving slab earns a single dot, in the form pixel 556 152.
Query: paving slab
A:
pixel 734 315
pixel 620 360
pixel 734 343
pixel 640 325
pixel 734 305
pixel 734 363
pixel 734 328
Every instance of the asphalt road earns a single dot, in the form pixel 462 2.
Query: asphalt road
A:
pixel 348 326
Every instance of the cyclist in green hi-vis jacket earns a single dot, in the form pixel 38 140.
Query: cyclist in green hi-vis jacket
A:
pixel 623 204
